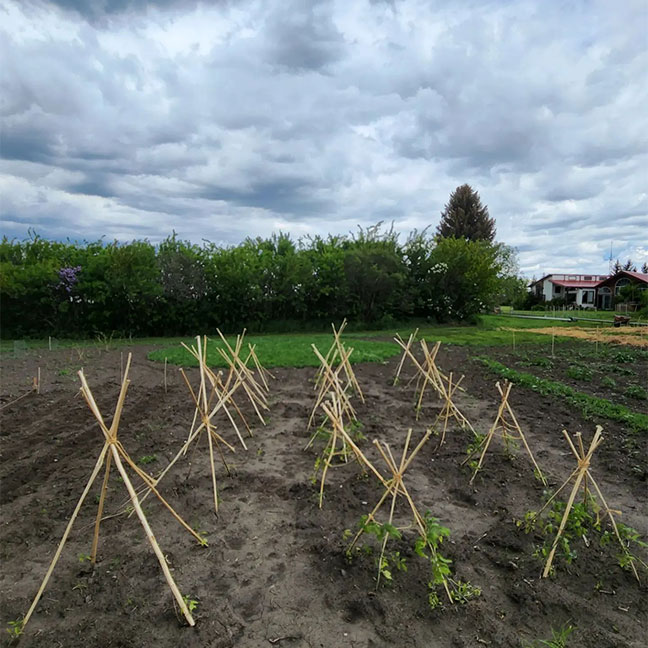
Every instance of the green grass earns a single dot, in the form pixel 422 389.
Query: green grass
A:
pixel 277 347
pixel 282 350
pixel 590 406
pixel 488 332
pixel 581 314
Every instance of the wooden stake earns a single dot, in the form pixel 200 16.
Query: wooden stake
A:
pixel 112 451
pixel 66 533
pixel 406 352
pixel 509 429
pixel 450 409
pixel 394 487
pixel 165 375
pixel 580 475
pixel 330 382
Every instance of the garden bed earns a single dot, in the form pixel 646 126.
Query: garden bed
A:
pixel 275 571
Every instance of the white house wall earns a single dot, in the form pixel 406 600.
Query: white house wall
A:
pixel 547 290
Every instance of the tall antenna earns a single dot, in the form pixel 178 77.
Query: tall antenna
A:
pixel 610 259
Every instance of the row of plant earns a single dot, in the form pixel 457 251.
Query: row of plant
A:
pixel 590 406
pixel 74 289
pixel 607 367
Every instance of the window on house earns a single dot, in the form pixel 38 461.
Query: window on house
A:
pixel 620 284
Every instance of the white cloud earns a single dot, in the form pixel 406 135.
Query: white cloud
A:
pixel 223 120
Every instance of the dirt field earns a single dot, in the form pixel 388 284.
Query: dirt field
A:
pixel 275 572
pixel 613 372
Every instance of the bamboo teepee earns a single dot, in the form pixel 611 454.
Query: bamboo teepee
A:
pixel 114 452
pixel 582 476
pixel 505 425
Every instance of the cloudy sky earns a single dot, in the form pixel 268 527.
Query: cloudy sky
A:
pixel 227 119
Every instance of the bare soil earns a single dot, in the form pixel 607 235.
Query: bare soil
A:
pixel 612 372
pixel 275 572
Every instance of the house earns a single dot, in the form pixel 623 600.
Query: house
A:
pixel 610 287
pixel 576 290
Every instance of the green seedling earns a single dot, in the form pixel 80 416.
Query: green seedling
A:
pixel 15 628
pixel 192 604
pixel 558 639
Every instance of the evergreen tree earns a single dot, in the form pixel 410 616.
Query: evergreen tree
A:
pixel 629 266
pixel 617 267
pixel 644 268
pixel 465 217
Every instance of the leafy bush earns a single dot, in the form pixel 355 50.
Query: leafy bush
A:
pixel 176 288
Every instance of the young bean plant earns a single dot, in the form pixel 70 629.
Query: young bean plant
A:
pixel 584 524
pixel 427 545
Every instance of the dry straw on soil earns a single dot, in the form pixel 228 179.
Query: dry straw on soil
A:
pixel 631 337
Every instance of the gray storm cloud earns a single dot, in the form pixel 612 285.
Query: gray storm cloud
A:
pixel 223 120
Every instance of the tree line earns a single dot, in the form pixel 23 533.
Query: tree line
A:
pixel 177 287
pixel 277 283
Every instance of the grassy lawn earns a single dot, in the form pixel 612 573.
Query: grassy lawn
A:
pixel 608 316
pixel 294 350
pixel 281 350
pixel 488 332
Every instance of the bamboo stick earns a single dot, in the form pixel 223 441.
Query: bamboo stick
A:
pixel 151 538
pixel 501 424
pixel 394 487
pixel 15 400
pixel 102 497
pixel 406 351
pixel 111 442
pixel 66 533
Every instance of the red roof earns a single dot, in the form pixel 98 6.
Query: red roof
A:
pixel 575 284
pixel 642 276
pixel 638 276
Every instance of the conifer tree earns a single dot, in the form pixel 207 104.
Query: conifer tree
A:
pixel 465 217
